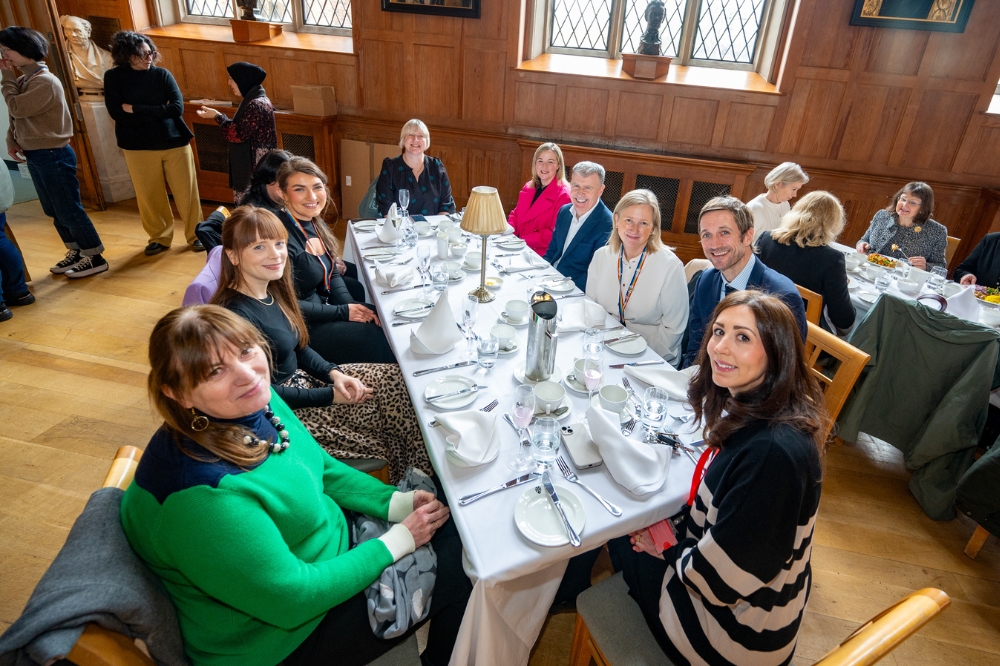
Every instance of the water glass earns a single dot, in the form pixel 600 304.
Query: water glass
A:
pixel 593 341
pixel 937 278
pixel 439 277
pixel 409 235
pixel 901 270
pixel 487 348
pixel 653 411
pixel 545 441
pixel 882 282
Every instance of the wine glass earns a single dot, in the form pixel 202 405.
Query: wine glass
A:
pixel 424 257
pixel 653 411
pixel 593 372
pixel 470 310
pixel 404 202
pixel 521 415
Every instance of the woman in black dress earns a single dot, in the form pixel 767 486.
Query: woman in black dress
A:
pixel 342 329
pixel 423 176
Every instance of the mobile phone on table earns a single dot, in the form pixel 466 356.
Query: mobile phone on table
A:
pixel 580 446
pixel 418 218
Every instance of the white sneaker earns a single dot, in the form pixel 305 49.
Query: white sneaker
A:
pixel 73 257
pixel 88 266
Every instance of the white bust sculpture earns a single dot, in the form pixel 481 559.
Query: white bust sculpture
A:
pixel 89 61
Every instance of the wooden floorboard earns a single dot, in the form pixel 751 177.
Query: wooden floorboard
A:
pixel 72 390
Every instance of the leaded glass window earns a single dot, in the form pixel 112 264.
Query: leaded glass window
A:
pixel 301 14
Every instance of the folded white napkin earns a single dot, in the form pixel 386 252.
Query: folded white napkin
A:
pixel 388 232
pixel 473 437
pixel 637 467
pixel 581 314
pixel 438 333
pixel 508 231
pixel 390 276
pixel 964 305
pixel 525 261
pixel 674 382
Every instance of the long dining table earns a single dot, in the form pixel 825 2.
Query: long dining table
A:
pixel 514 580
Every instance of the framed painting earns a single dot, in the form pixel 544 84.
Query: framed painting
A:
pixel 939 15
pixel 460 8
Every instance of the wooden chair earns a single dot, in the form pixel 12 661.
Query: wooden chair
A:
pixel 976 542
pixel 98 646
pixel 695 265
pixel 837 386
pixel 949 251
pixel 611 631
pixel 814 304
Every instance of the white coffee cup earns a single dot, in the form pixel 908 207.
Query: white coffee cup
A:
pixel 517 310
pixel 613 398
pixel 505 334
pixel 445 224
pixel 422 228
pixel 991 316
pixel 852 261
pixel 473 259
pixel 454 235
pixel 458 250
pixel 454 269
pixel 549 395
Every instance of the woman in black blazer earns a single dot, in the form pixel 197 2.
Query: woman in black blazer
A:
pixel 799 250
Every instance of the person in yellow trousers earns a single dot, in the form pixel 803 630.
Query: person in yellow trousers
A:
pixel 147 106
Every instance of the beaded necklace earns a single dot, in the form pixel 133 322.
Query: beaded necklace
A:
pixel 623 298
pixel 278 446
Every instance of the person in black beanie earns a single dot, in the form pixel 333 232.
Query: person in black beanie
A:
pixel 251 132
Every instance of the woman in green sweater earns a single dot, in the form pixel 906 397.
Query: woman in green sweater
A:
pixel 241 513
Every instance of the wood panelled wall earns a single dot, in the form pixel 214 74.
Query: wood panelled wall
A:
pixel 863 109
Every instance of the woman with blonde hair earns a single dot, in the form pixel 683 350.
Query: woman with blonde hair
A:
pixel 534 217
pixel 358 410
pixel 800 250
pixel 638 279
pixel 783 183
pixel 342 329
pixel 424 177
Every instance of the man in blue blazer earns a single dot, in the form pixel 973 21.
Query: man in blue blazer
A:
pixel 726 229
pixel 582 225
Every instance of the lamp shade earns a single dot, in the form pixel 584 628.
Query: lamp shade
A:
pixel 484 214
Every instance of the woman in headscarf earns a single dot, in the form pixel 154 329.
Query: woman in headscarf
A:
pixel 251 132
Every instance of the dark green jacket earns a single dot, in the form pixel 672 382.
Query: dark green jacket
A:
pixel 978 493
pixel 925 391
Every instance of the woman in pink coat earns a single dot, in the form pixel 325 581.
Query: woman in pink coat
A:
pixel 540 199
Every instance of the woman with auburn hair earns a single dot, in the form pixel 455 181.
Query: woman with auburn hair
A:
pixel 800 250
pixel 905 229
pixel 734 587
pixel 540 199
pixel 425 177
pixel 360 410
pixel 783 183
pixel 342 330
pixel 241 514
pixel 640 280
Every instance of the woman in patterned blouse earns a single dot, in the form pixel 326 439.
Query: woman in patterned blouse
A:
pixel 251 132
pixel 423 176
pixel 904 229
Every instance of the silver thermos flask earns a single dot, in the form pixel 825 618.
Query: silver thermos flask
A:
pixel 542 337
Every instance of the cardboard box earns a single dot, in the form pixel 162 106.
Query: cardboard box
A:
pixel 314 100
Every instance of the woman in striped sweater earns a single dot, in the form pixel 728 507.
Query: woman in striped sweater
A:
pixel 734 587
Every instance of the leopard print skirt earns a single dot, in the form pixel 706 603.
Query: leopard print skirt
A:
pixel 384 426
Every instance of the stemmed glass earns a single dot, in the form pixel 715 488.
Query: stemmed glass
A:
pixel 653 411
pixel 593 341
pixel 470 310
pixel 521 415
pixel 404 202
pixel 424 265
pixel 593 371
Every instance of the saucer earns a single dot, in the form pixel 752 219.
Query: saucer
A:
pixel 430 233
pixel 413 303
pixel 537 518
pixel 365 225
pixel 448 384
pixel 521 379
pixel 504 320
pixel 566 402
pixel 513 350
pixel 577 387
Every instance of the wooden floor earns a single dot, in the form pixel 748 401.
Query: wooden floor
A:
pixel 72 389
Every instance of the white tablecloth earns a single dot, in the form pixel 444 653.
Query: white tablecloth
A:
pixel 515 580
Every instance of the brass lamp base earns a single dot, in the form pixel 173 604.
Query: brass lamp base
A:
pixel 482 294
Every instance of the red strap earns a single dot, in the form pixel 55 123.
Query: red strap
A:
pixel 699 472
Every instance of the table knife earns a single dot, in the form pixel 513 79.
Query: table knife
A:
pixel 551 490
pixel 412 310
pixel 621 337
pixel 469 499
pixel 619 366
pixel 428 371
pixel 571 295
pixel 393 291
pixel 455 394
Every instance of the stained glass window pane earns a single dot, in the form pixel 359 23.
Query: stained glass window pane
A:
pixel 728 30
pixel 327 13
pixel 581 24
pixel 670 30
pixel 217 8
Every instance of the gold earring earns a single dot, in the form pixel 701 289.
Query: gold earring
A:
pixel 199 422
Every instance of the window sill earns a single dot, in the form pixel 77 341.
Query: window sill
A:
pixel 705 77
pixel 302 41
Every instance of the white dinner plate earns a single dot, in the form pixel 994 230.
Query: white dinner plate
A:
pixel 449 384
pixel 867 296
pixel 566 402
pixel 624 416
pixel 631 347
pixel 537 518
pixel 379 253
pixel 513 350
pixel 365 225
pixel 557 286
pixel 411 304
pixel 457 461
pixel 510 243
pixel 521 379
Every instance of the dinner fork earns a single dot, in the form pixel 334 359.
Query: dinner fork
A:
pixel 631 392
pixel 628 427
pixel 573 478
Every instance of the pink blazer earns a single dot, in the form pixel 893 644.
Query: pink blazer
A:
pixel 534 223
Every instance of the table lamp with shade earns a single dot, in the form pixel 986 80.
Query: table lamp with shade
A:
pixel 484 217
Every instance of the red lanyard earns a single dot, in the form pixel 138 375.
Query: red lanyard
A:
pixel 699 472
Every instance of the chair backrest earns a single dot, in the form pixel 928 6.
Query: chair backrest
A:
pixel 695 265
pixel 814 304
pixel 949 251
pixel 122 467
pixel 367 207
pixel 852 360
pixel 880 635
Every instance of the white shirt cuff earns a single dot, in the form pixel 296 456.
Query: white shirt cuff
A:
pixel 399 541
pixel 400 506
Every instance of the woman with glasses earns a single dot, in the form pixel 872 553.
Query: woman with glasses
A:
pixel 147 106
pixel 905 230
pixel 424 177
pixel 638 279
